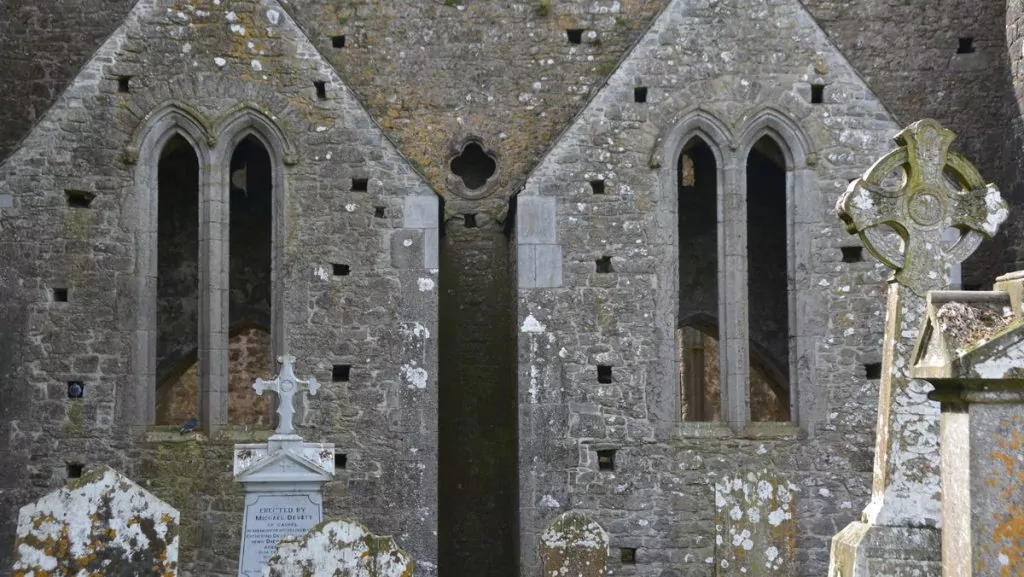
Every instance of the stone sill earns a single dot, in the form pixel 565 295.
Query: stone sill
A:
pixel 721 429
pixel 170 434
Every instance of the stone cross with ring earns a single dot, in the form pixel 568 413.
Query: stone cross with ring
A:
pixel 286 385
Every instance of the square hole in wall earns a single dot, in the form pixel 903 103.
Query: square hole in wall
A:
pixel 575 35
pixel 873 371
pixel 604 374
pixel 469 220
pixel 627 555
pixel 597 186
pixel 76 389
pixel 378 211
pixel 338 41
pixel 78 198
pixel 60 295
pixel 124 84
pixel 321 89
pixel 360 184
pixel 640 94
pixel 965 45
pixel 606 460
pixel 817 93
pixel 340 269
pixel 852 253
pixel 340 460
pixel 604 264
pixel 75 470
pixel 339 373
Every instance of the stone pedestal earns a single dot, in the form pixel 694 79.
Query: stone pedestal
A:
pixel 972 351
pixel 283 481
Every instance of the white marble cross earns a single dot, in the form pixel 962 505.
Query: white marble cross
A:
pixel 286 385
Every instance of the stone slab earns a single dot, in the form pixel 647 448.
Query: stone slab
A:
pixel 271 517
pixel 535 220
pixel 574 545
pixel 101 524
pixel 339 548
pixel 756 525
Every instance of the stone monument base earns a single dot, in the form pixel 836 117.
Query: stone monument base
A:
pixel 863 550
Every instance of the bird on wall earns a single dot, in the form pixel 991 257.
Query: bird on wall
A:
pixel 190 426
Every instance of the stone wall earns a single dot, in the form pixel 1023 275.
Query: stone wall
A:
pixel 377 317
pixel 671 484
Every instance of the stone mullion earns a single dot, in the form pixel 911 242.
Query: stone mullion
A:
pixel 213 295
pixel 732 298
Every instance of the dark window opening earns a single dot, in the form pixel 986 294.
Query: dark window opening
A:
pixel 768 278
pixel 697 230
pixel 640 94
pixel 575 35
pixel 339 373
pixel 965 45
pixel 338 41
pixel 79 198
pixel 360 184
pixel 873 371
pixel 817 93
pixel 60 295
pixel 76 389
pixel 627 555
pixel 321 89
pixel 340 269
pixel 606 460
pixel 972 287
pixel 473 166
pixel 604 264
pixel 852 253
pixel 378 212
pixel 340 460
pixel 469 220
pixel 75 470
pixel 597 186
pixel 124 84
pixel 604 374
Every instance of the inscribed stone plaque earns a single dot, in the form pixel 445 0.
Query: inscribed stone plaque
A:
pixel 270 517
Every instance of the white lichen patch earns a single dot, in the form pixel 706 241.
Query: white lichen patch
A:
pixel 425 284
pixel 532 325
pixel 415 377
pixel 220 62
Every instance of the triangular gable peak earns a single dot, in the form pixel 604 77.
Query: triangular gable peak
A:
pixel 285 466
pixel 211 58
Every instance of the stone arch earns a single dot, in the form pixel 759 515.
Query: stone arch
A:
pixel 698 122
pixel 243 122
pixel 801 194
pixel 137 404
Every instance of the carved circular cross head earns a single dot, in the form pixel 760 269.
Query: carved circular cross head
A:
pixel 927 203
pixel 287 386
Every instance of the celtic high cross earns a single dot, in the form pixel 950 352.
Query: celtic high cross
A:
pixel 940 190
pixel 286 385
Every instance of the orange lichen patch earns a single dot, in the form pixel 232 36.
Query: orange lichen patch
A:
pixel 1006 543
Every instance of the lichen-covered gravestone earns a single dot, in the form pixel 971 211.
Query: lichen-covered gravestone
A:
pixel 898 535
pixel 100 525
pixel 339 549
pixel 574 546
pixel 755 525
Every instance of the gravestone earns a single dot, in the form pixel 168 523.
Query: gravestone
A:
pixel 283 478
pixel 755 524
pixel 574 545
pixel 972 351
pixel 339 548
pixel 100 524
pixel 898 534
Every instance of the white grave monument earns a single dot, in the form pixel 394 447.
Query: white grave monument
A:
pixel 283 478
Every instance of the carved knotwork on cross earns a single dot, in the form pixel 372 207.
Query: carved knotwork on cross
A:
pixel 940 190
pixel 286 385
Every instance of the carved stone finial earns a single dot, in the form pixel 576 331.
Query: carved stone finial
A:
pixel 940 190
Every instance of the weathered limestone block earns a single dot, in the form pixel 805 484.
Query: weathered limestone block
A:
pixel 573 545
pixel 339 549
pixel 755 525
pixel 972 351
pixel 100 525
